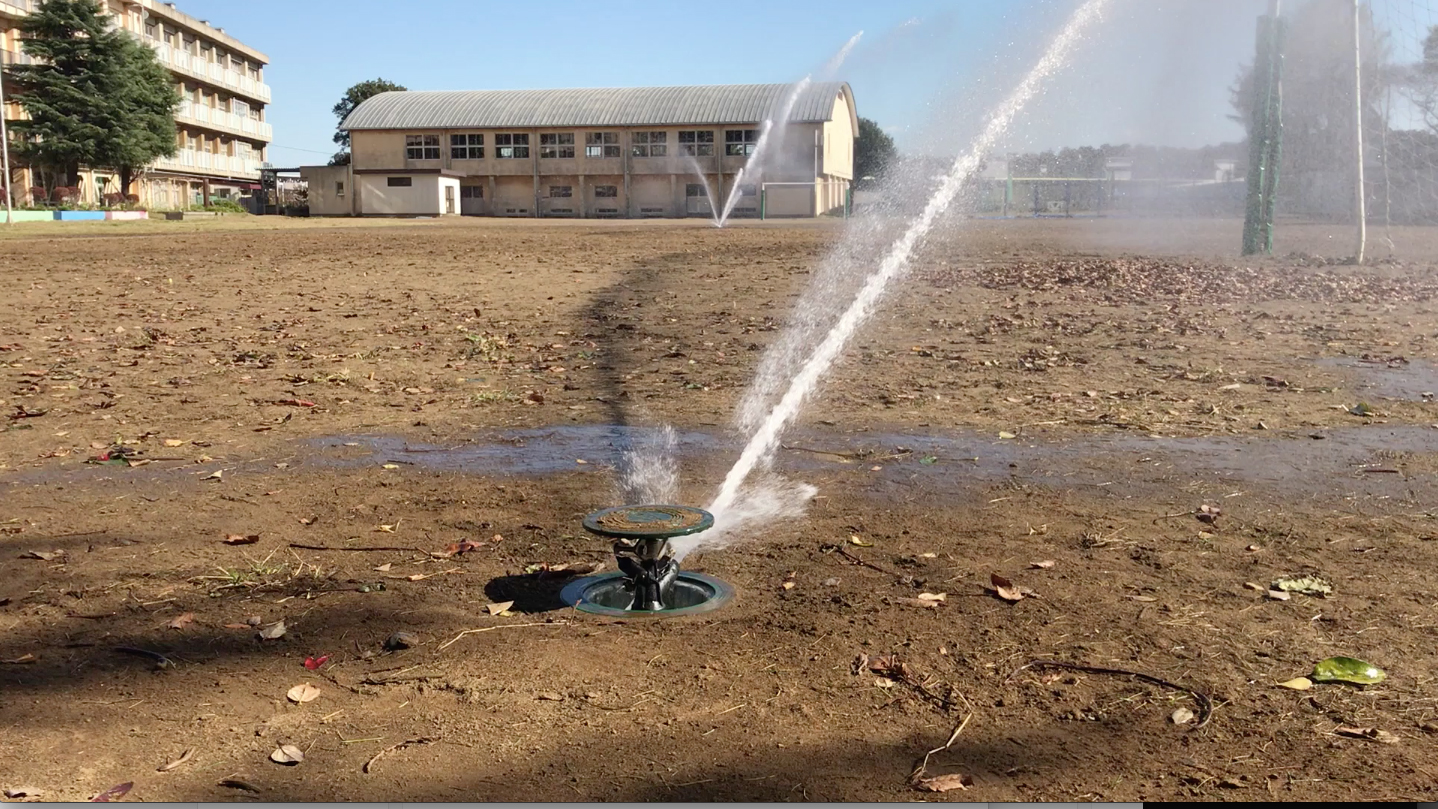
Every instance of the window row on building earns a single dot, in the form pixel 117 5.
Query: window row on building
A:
pixel 206 51
pixel 565 145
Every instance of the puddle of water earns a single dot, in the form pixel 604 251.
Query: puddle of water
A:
pixel 1408 381
pixel 953 462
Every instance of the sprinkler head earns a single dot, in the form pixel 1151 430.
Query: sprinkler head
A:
pixel 642 549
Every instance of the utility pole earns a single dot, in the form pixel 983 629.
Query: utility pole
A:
pixel 1361 207
pixel 5 152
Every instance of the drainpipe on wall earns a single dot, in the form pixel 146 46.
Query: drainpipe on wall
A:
pixel 534 160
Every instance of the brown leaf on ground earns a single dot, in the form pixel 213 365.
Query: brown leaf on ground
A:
pixel 304 692
pixel 114 792
pixel 274 630
pixel 944 783
pixel 456 549
pixel 1369 734
pixel 242 539
pixel 499 608
pixel 287 754
pixel 21 660
pixel 184 757
pixel 44 556
pixel 181 621
pixel 1007 590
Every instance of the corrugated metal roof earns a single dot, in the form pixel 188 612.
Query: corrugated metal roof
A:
pixel 627 106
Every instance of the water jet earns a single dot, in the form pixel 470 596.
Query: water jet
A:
pixel 649 581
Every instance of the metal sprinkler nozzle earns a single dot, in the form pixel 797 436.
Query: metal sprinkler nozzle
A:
pixel 642 549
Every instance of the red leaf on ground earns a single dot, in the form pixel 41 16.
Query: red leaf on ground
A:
pixel 117 791
pixel 313 663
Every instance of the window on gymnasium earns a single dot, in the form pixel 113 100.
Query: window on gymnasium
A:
pixel 400 182
pixel 561 191
pixel 466 147
pixel 471 192
pixel 648 144
pixel 421 147
pixel 556 145
pixel 602 144
pixel 606 191
pixel 698 143
pixel 695 190
pixel 339 189
pixel 511 146
pixel 740 141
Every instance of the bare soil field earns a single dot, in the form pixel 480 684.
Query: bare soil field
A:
pixel 216 428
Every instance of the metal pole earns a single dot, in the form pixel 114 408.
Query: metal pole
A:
pixel 5 152
pixel 1361 210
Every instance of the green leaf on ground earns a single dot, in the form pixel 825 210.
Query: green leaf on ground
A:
pixel 1347 670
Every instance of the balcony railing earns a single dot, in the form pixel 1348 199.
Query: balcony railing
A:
pixel 15 57
pixel 212 118
pixel 213 72
pixel 18 7
pixel 193 160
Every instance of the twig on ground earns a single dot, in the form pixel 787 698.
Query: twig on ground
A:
pixel 858 560
pixel 1205 705
pixel 918 772
pixel 328 548
pixel 394 747
pixel 452 640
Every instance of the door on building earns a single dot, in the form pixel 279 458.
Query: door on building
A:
pixel 471 200
pixel 696 200
pixel 449 199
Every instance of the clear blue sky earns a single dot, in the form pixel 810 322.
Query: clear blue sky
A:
pixel 1158 70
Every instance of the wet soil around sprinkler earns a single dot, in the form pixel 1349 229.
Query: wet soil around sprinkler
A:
pixel 1049 401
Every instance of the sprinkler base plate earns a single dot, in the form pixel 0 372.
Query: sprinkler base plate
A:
pixel 691 594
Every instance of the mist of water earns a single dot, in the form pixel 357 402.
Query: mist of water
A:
pixel 708 190
pixel 774 128
pixel 750 490
pixel 649 468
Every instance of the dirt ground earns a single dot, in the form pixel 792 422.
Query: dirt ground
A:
pixel 1065 393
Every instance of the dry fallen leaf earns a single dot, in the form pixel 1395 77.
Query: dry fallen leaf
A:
pixel 933 596
pixel 184 757
pixel 181 621
pixel 918 602
pixel 384 568
pixel 116 791
pixel 944 783
pixel 242 539
pixel 21 660
pixel 1279 595
pixel 15 793
pixel 1006 590
pixel 499 608
pixel 1181 716
pixel 273 631
pixel 788 585
pixel 1007 436
pixel 44 556
pixel 1044 565
pixel 1297 684
pixel 861 543
pixel 287 754
pixel 218 474
pixel 1370 734
pixel 385 529
pixel 173 442
pixel 304 692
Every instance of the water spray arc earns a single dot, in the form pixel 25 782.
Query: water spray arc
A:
pixel 759 451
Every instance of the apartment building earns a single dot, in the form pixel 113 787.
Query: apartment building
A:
pixel 222 132
pixel 630 152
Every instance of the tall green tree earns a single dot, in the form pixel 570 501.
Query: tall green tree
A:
pixel 148 97
pixel 95 96
pixel 352 98
pixel 874 151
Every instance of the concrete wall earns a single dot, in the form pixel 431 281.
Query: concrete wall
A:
pixel 331 190
pixel 424 197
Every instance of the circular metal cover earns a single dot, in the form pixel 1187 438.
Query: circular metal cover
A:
pixel 648 522
pixel 605 594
